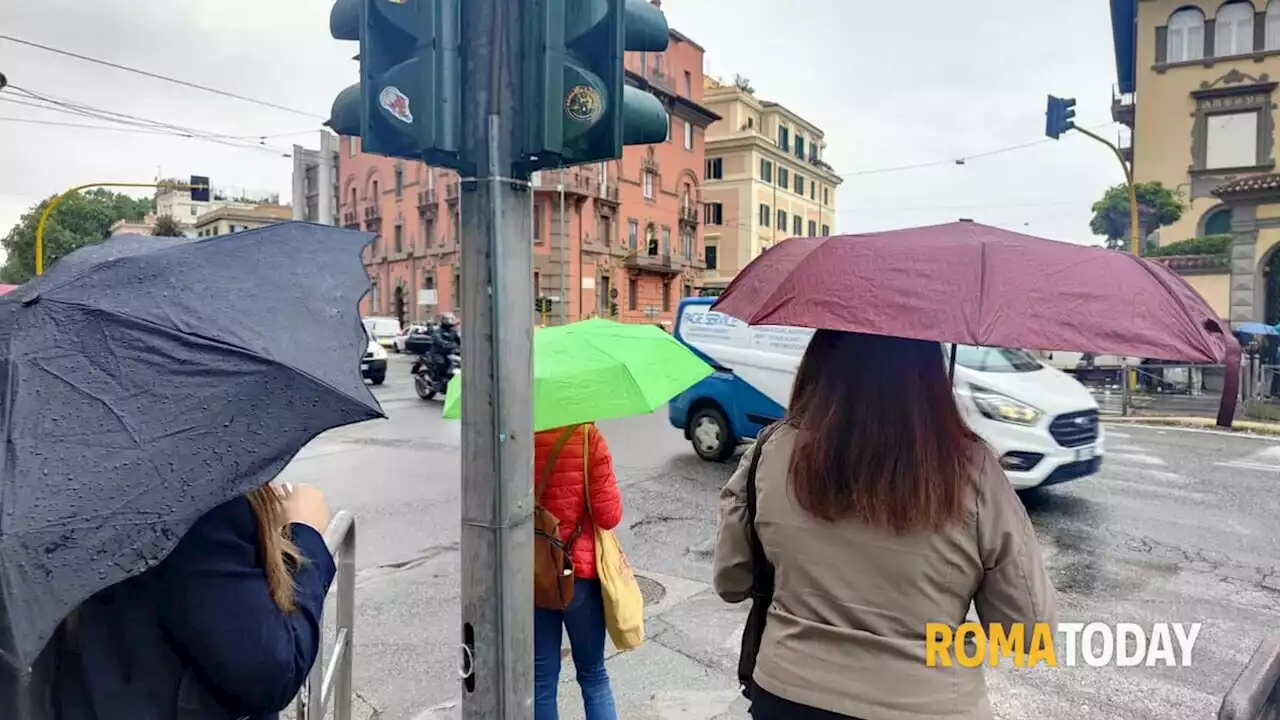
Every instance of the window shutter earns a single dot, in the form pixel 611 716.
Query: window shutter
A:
pixel 1162 45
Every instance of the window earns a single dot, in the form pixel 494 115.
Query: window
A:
pixel 784 177
pixel 457 292
pixel 537 285
pixel 537 223
pixel 686 244
pixel 1233 31
pixel 633 233
pixel 782 220
pixel 353 202
pixel 764 215
pixel 666 241
pixel 784 137
pixel 374 297
pixel 1232 140
pixel 376 196
pixel 826 231
pixel 398 238
pixel 648 184
pixel 714 213
pixel 399 180
pixel 605 303
pixel 666 297
pixel 1218 222
pixel 688 84
pixel 797 225
pixel 1273 26
pixel 714 169
pixel 1185 36
pixel 633 301
pixel 813 190
pixel 455 221
pixel 651 239
pixel 711 257
pixel 604 230
pixel 813 228
pixel 800 146
pixel 688 290
pixel 428 280
pixel 826 196
pixel 688 135
pixel 799 184
pixel 429 230
pixel 766 171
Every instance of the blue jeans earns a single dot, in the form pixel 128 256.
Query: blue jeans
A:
pixel 585 622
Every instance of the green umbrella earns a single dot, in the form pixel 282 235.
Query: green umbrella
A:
pixel 600 370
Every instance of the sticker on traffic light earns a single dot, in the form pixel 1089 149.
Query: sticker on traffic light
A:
pixel 396 103
pixel 584 105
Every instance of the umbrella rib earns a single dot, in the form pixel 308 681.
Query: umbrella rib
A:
pixel 211 340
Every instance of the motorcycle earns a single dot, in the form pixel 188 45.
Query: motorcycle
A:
pixel 424 381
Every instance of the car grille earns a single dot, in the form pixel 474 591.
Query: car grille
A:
pixel 1075 429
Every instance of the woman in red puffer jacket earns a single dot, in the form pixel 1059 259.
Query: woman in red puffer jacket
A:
pixel 564 496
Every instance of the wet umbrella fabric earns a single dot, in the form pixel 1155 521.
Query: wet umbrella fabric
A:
pixel 974 284
pixel 145 381
pixel 1256 328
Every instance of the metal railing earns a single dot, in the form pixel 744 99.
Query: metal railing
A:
pixel 1255 695
pixel 332 681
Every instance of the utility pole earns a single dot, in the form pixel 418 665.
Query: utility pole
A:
pixel 497 409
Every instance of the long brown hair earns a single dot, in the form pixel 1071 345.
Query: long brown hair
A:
pixel 880 438
pixel 279 554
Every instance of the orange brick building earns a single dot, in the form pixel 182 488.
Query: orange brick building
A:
pixel 619 239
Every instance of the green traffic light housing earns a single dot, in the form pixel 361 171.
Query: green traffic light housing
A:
pixel 578 106
pixel 1059 116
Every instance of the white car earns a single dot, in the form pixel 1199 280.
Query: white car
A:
pixel 397 343
pixel 373 366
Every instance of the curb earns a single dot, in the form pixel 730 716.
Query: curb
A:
pixel 1237 427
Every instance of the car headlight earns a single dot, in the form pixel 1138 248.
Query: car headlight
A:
pixel 379 352
pixel 1002 408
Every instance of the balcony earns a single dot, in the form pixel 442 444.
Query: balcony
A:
pixel 372 217
pixel 452 192
pixel 659 264
pixel 689 212
pixel 1124 107
pixel 578 181
pixel 1124 142
pixel 349 219
pixel 427 200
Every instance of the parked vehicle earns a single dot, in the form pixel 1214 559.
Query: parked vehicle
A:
pixel 373 366
pixel 406 337
pixel 1041 423
pixel 425 381
pixel 383 330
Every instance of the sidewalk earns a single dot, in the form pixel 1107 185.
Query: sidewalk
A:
pixel 686 670
pixel 1256 427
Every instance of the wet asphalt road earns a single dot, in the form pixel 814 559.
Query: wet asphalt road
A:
pixel 1179 527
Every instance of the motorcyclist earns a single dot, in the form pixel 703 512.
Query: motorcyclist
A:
pixel 444 342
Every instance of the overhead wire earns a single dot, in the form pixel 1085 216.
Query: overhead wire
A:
pixel 158 76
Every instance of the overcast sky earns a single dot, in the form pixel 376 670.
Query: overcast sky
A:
pixel 891 83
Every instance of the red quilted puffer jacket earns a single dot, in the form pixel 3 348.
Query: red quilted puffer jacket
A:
pixel 563 494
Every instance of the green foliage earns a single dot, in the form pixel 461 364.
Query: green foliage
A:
pixel 1158 206
pixel 80 219
pixel 167 226
pixel 1207 245
pixel 743 84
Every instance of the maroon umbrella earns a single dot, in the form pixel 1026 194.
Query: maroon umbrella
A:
pixel 974 284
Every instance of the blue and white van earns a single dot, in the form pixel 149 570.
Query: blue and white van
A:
pixel 1041 423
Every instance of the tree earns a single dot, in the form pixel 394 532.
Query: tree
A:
pixel 743 84
pixel 1158 206
pixel 167 226
pixel 80 219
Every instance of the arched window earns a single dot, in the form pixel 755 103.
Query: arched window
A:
pixel 1273 25
pixel 1218 222
pixel 1185 39
pixel 1233 34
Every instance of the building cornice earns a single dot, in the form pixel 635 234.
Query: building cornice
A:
pixel 756 141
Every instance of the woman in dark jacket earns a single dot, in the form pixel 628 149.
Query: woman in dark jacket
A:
pixel 226 627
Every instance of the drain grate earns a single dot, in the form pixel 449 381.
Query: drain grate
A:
pixel 651 590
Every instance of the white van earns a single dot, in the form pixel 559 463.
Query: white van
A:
pixel 1041 423
pixel 383 330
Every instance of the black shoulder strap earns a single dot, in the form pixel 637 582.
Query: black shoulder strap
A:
pixel 761 570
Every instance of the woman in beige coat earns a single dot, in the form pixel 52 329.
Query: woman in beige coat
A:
pixel 880 512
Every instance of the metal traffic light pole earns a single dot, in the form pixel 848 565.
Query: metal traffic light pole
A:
pixel 497 412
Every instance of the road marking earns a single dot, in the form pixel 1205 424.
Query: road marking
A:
pixel 1249 466
pixel 1157 489
pixel 1139 458
pixel 1145 473
pixel 1117 434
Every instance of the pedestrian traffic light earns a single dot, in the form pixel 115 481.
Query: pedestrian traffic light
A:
pixel 407 102
pixel 199 188
pixel 577 105
pixel 1059 116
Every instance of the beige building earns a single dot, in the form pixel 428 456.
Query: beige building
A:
pixel 765 180
pixel 234 219
pixel 1197 85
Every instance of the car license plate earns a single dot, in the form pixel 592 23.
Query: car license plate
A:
pixel 1086 453
pixel 364 366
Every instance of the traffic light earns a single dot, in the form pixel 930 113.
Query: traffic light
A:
pixel 407 103
pixel 1059 116
pixel 577 106
pixel 199 188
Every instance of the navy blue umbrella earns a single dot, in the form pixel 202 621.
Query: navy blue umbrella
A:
pixel 146 380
